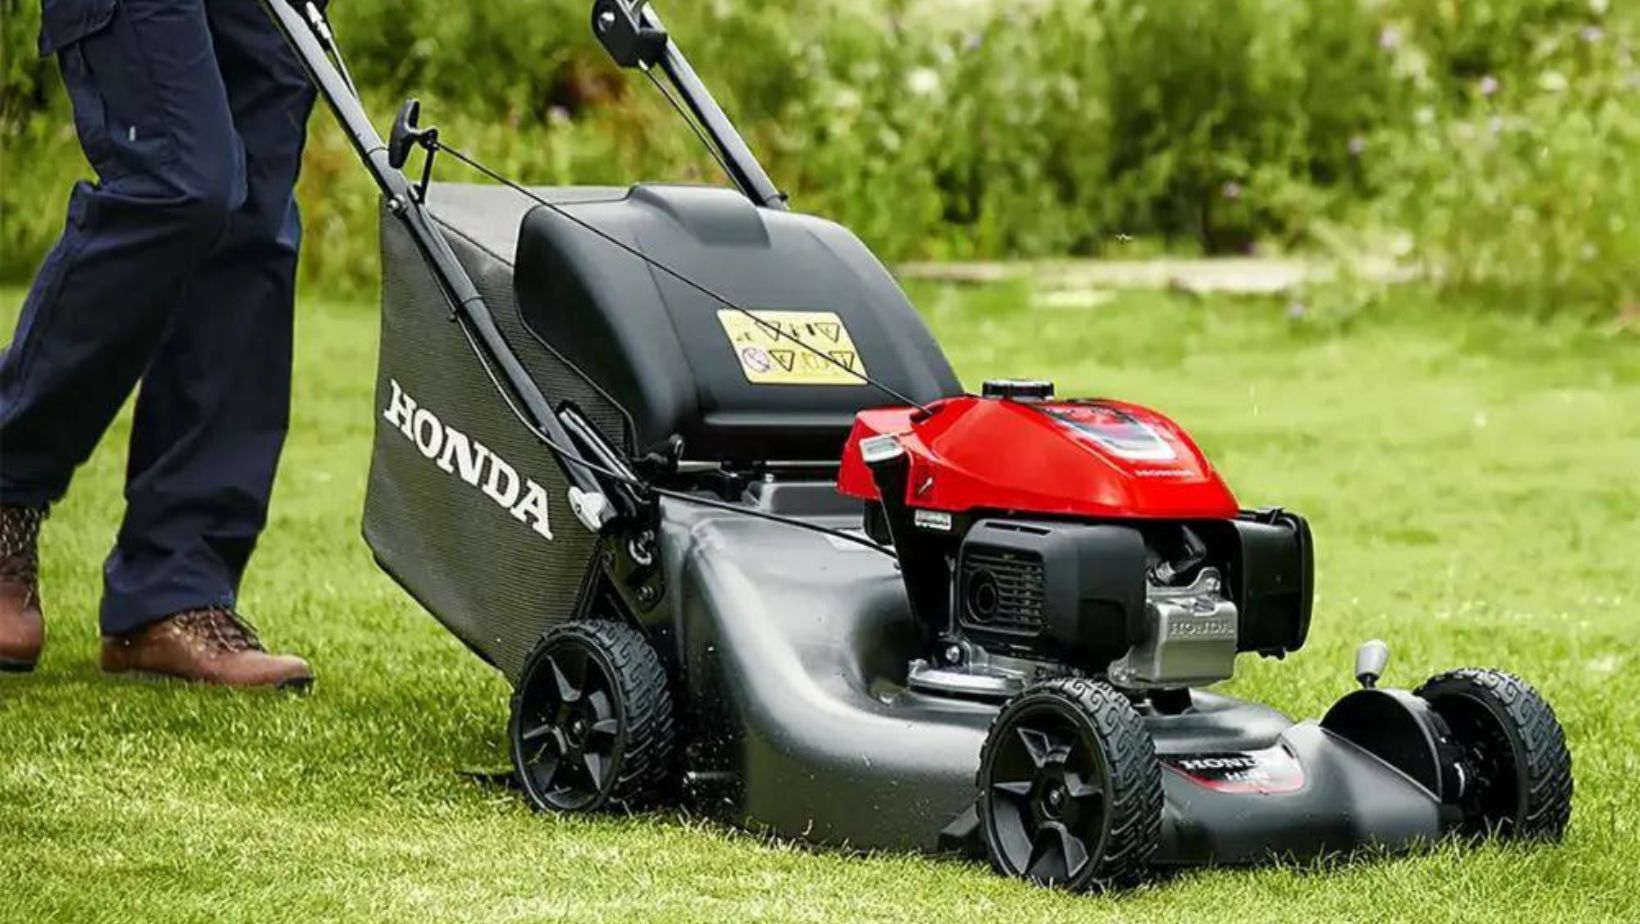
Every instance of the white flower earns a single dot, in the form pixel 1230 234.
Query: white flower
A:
pixel 924 81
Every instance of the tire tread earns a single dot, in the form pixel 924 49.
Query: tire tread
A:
pixel 642 685
pixel 1548 765
pixel 1135 775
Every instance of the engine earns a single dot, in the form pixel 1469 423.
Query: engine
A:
pixel 1039 537
pixel 1151 606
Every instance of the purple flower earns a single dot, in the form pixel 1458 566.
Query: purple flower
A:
pixel 1297 310
pixel 975 40
pixel 1389 38
pixel 1358 146
pixel 1592 33
pixel 1232 190
pixel 1489 85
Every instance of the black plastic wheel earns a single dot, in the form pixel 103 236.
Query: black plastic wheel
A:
pixel 591 724
pixel 1070 788
pixel 1519 771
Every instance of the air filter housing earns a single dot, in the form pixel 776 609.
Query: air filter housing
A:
pixel 1064 590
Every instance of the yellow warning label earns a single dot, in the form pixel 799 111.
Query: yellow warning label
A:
pixel 774 347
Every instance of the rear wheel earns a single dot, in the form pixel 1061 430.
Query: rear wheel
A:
pixel 591 724
pixel 1070 788
pixel 1520 772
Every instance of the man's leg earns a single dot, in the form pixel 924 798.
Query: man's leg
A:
pixel 153 117
pixel 214 404
pixel 154 121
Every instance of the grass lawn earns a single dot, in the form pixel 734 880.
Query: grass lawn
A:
pixel 1474 486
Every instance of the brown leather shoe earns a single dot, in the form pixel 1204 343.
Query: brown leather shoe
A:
pixel 212 645
pixel 22 624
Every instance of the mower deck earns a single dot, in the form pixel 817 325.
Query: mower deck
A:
pixel 797 648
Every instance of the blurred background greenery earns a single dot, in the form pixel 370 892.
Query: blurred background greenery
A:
pixel 1492 144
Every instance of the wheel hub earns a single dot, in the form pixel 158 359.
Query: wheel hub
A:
pixel 1052 799
pixel 591 720
pixel 572 739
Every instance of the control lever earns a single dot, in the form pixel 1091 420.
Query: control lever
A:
pixel 407 133
pixel 621 29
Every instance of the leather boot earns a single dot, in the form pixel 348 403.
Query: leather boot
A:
pixel 22 624
pixel 212 645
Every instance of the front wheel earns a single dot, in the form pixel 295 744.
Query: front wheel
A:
pixel 1514 753
pixel 591 724
pixel 1070 787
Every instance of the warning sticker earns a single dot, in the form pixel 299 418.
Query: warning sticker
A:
pixel 774 347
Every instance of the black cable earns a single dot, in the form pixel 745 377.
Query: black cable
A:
pixel 689 120
pixel 771 328
pixel 844 535
pixel 319 25
pixel 341 65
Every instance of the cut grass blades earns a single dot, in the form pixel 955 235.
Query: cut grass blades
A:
pixel 1472 486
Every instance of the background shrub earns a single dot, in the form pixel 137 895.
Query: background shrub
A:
pixel 1519 174
pixel 1491 142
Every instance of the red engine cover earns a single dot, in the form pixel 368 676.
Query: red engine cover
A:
pixel 1090 458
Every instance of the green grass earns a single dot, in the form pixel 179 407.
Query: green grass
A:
pixel 1471 480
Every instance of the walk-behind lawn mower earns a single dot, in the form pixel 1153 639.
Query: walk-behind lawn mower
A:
pixel 688 469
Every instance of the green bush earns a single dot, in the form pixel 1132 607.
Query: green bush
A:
pixel 1494 136
pixel 1520 172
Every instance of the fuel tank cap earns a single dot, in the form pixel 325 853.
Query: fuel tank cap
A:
pixel 1018 389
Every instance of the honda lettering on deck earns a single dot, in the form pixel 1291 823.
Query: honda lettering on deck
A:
pixel 1270 771
pixel 459 456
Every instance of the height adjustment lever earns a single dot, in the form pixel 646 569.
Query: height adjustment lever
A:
pixel 1370 660
pixel 620 27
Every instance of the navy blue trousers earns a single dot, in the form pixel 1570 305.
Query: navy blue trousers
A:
pixel 176 270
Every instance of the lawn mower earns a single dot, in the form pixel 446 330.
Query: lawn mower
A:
pixel 690 471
